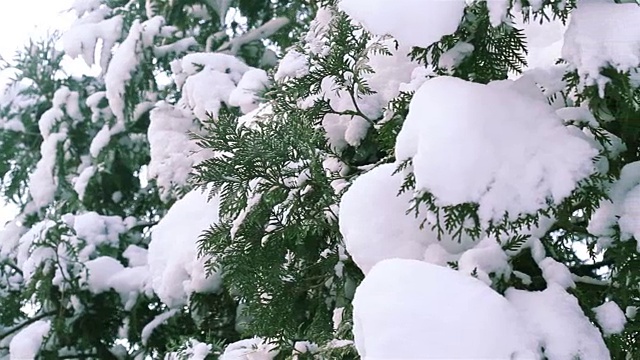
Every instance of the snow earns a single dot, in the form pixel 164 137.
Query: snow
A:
pixel 390 71
pixel 630 214
pixel 511 151
pixel 83 6
pixel 603 219
pixel 336 319
pixel 415 23
pixel 100 141
pixel 148 329
pixel 10 236
pixel 204 100
pixel 26 343
pixel 622 208
pixel 195 350
pixel 38 257
pixel 610 318
pixel 264 31
pixel 293 65
pixel 419 76
pixel 304 347
pixel 556 319
pixel 452 57
pixel 80 183
pixel 105 273
pixel 250 349
pixel 176 47
pixel 98 229
pixel 192 63
pixel 557 273
pixel 316 41
pixel 578 115
pixel 498 10
pixel 255 117
pixel 253 199
pixel 196 72
pixel 176 270
pixel 338 123
pixel 602 34
pixel 66 99
pixel 245 94
pixel 43 182
pixel 135 255
pixel 356 130
pixel 198 350
pixel 28 259
pixel 408 309
pixel 82 37
pixel 50 118
pixel 99 273
pixel 129 283
pixel 125 61
pixel 484 259
pixel 14 125
pixel 375 225
pixel 173 152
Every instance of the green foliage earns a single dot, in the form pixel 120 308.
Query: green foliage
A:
pixel 285 259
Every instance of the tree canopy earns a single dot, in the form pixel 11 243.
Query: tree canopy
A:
pixel 292 179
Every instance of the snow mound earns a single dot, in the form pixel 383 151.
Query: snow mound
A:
pixel 413 23
pixel 173 151
pixel 98 229
pixel 249 349
pixel 245 95
pixel 207 80
pixel 293 65
pixel 407 309
pixel 556 319
pixel 623 207
pixel 511 150
pixel 176 270
pixel 26 344
pixel 83 36
pixel 557 273
pixel 42 181
pixel 610 318
pixel 602 34
pixel 126 60
pixel 375 225
pixel 389 71
pixel 99 273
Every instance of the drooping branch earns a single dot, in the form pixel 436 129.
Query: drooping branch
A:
pixel 26 323
pixel 266 30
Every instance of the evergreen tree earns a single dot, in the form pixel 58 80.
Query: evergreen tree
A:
pixel 384 140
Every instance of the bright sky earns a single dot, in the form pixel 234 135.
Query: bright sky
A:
pixel 21 19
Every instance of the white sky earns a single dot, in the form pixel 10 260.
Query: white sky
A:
pixel 20 19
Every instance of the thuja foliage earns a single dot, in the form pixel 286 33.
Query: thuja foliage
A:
pixel 278 243
pixel 278 203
